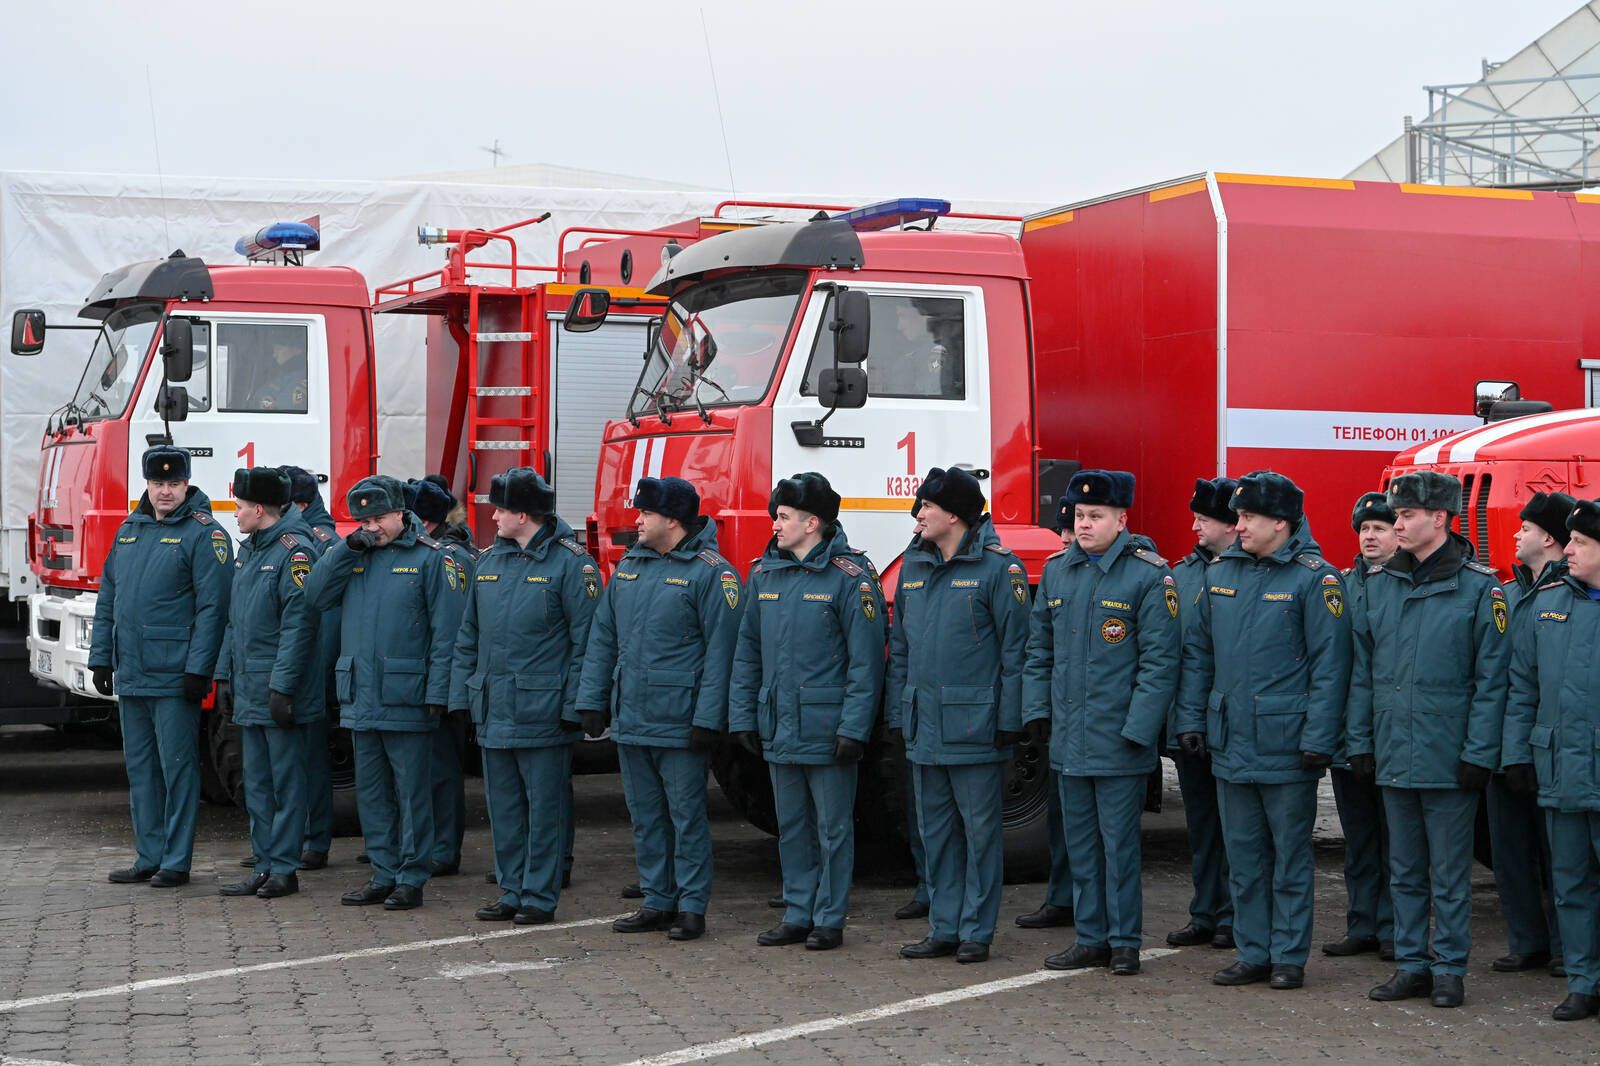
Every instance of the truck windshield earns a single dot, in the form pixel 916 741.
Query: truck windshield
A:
pixel 719 343
pixel 114 364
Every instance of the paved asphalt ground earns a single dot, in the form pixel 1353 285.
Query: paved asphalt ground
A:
pixel 92 972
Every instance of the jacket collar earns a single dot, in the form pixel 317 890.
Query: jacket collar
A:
pixel 1453 554
pixel 1076 555
pixel 833 543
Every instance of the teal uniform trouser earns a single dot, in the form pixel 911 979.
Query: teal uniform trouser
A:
pixel 1058 889
pixel 161 750
pixel 1430 868
pixel 1575 873
pixel 1368 911
pixel 1101 822
pixel 1520 846
pixel 394 794
pixel 275 794
pixel 527 790
pixel 1271 869
pixel 816 807
pixel 958 814
pixel 449 789
pixel 1211 906
pixel 919 854
pixel 666 793
pixel 572 825
pixel 319 787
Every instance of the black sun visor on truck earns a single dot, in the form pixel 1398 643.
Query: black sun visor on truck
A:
pixel 826 243
pixel 177 278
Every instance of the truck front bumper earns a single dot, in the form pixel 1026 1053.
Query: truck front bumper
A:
pixel 59 633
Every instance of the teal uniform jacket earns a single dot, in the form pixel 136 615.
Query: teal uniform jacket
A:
pixel 1104 649
pixel 1427 690
pixel 163 601
pixel 1190 577
pixel 271 640
pixel 316 516
pixel 401 611
pixel 957 650
pixel 661 644
pixel 519 654
pixel 1552 717
pixel 1355 591
pixel 809 662
pixel 1266 668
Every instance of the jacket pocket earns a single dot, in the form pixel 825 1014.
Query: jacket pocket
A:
pixel 344 679
pixel 477 706
pixel 538 700
pixel 766 714
pixel 254 681
pixel 1279 723
pixel 669 697
pixel 1217 722
pixel 967 715
pixel 166 648
pixel 821 710
pixel 405 682
pixel 1544 762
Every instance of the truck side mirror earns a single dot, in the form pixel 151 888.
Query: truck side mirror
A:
pixel 27 332
pixel 172 403
pixel 844 386
pixel 852 327
pixel 586 311
pixel 177 350
pixel 1485 394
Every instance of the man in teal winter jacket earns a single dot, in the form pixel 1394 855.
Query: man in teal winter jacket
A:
pixel 401 595
pixel 1266 670
pixel 956 657
pixel 807 676
pixel 158 623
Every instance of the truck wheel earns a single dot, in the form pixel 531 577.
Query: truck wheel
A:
pixel 596 755
pixel 746 783
pixel 222 759
pixel 342 774
pixel 1025 813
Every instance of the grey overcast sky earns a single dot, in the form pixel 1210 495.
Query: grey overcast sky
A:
pixel 1001 100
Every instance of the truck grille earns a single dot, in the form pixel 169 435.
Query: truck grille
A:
pixel 1480 516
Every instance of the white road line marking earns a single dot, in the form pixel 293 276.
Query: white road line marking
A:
pixel 8 1006
pixel 8 1060
pixel 474 969
pixel 699 1052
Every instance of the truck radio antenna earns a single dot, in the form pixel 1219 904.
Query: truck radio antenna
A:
pixel 716 94
pixel 155 136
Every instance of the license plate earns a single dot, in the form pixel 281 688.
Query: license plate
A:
pixel 46 663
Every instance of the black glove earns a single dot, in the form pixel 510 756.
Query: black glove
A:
pixel 1008 738
pixel 282 709
pixel 896 735
pixel 703 741
pixel 848 750
pixel 225 696
pixel 102 680
pixel 1134 744
pixel 567 725
pixel 1192 744
pixel 1364 768
pixel 594 723
pixel 1038 731
pixel 361 540
pixel 1315 760
pixel 749 740
pixel 1471 777
pixel 435 710
pixel 195 687
pixel 1521 779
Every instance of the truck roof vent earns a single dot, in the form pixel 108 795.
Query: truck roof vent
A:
pixel 1481 517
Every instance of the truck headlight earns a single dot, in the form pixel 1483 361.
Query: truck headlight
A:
pixel 84 636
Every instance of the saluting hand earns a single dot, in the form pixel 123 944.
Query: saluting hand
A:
pixel 361 540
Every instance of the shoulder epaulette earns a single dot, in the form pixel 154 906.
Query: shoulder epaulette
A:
pixel 1348 571
pixel 202 517
pixel 288 541
pixel 1311 560
pixel 1375 568
pixel 322 534
pixel 1474 565
pixel 998 549
pixel 429 542
pixel 755 566
pixel 572 546
pixel 711 558
pixel 1550 585
pixel 1148 556
pixel 1059 554
pixel 848 565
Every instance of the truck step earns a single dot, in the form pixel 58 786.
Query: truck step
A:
pixel 503 390
pixel 490 338
pixel 499 445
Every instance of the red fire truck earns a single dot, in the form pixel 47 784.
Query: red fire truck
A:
pixel 1212 324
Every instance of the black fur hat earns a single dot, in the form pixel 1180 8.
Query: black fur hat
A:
pixel 266 485
pixel 1426 489
pixel 1264 492
pixel 670 497
pixel 166 463
pixel 806 492
pixel 1213 498
pixel 1585 519
pixel 376 495
pixel 955 490
pixel 1549 511
pixel 522 489
pixel 1102 488
pixel 302 484
pixel 1374 507
pixel 428 500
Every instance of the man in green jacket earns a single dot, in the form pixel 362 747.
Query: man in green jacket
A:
pixel 807 677
pixel 1103 658
pixel 401 595
pixel 158 623
pixel 1266 670
pixel 1552 720
pixel 956 657
pixel 268 675
pixel 1427 706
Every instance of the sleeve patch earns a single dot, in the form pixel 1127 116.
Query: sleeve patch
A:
pixel 299 567
pixel 1499 609
pixel 219 545
pixel 730 589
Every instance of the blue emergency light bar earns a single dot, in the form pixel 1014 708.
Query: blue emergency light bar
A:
pixel 280 237
pixel 891 213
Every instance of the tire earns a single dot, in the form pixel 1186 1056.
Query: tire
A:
pixel 342 775
pixel 222 759
pixel 1481 849
pixel 596 755
pixel 746 783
